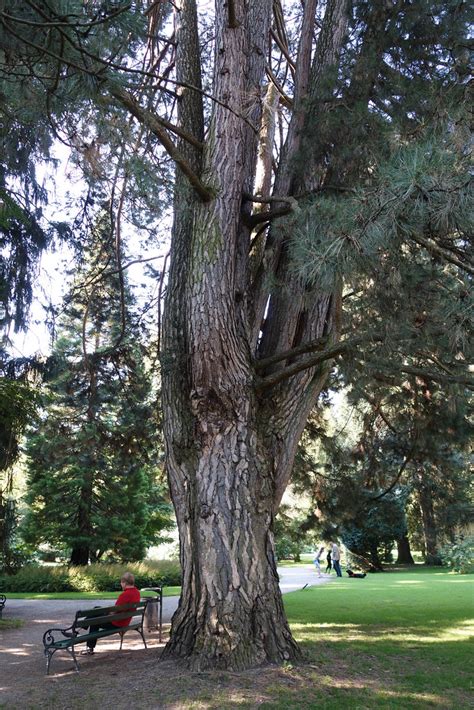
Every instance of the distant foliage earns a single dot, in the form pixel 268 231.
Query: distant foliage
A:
pixel 94 486
pixel 459 555
pixel 14 557
pixel 291 534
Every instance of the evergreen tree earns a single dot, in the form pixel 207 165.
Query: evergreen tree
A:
pixel 93 484
pixel 396 466
pixel 341 462
pixel 258 307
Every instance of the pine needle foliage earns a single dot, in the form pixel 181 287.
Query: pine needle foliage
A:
pixel 424 189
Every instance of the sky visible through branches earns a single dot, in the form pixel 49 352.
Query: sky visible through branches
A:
pixel 56 268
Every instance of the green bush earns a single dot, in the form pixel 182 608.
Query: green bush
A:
pixel 94 578
pixel 459 556
pixel 14 558
pixel 287 549
pixel 34 578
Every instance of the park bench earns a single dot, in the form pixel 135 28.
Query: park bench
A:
pixel 3 599
pixel 82 629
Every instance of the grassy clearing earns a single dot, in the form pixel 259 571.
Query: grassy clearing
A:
pixel 392 640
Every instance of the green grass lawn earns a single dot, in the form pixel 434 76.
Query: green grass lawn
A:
pixel 391 640
pixel 305 559
pixel 167 592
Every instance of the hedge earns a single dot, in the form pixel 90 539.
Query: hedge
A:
pixel 93 578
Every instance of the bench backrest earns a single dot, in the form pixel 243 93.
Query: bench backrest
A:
pixel 107 614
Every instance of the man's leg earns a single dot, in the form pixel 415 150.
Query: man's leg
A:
pixel 91 643
pixel 337 567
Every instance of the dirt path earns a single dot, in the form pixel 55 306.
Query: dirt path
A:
pixel 22 660
pixel 108 679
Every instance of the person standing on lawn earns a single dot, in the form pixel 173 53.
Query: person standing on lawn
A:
pixel 317 561
pixel 130 595
pixel 336 558
pixel 328 561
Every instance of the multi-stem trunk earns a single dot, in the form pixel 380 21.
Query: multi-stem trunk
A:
pixel 425 500
pixel 230 441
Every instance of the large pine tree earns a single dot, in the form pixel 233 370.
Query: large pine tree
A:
pixel 93 459
pixel 250 295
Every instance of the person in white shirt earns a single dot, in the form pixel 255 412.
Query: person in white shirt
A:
pixel 317 561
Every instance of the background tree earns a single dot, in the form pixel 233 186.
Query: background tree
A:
pixel 256 303
pixel 93 459
pixel 392 462
pixel 291 535
pixel 18 406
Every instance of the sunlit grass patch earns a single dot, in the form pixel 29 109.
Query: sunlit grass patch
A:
pixel 402 637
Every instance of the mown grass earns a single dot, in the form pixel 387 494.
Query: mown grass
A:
pixel 305 559
pixel 167 592
pixel 10 624
pixel 391 640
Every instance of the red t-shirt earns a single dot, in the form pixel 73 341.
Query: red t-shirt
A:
pixel 130 595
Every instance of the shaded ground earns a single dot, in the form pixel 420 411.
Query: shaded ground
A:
pixel 113 678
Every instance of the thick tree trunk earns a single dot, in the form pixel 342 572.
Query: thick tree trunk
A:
pixel 79 556
pixel 404 553
pixel 230 613
pixel 430 534
pixel 230 445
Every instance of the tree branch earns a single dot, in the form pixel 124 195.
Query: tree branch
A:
pixel 170 127
pixel 293 352
pixel 419 372
pixel 328 354
pixel 438 376
pixel 259 217
pixel 394 482
pixel 150 120
pixel 285 99
pixel 445 254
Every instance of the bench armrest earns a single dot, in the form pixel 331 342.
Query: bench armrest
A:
pixel 49 635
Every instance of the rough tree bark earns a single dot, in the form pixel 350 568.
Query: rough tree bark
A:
pixel 231 443
pixel 404 556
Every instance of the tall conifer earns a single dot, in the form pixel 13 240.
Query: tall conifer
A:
pixel 92 461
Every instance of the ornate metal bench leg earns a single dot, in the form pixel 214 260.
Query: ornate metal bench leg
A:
pixel 121 639
pixel 140 631
pixel 49 656
pixel 73 654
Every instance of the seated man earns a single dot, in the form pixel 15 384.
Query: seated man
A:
pixel 130 595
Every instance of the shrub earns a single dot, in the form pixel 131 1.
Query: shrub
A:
pixel 287 549
pixel 459 555
pixel 93 578
pixel 15 558
pixel 36 579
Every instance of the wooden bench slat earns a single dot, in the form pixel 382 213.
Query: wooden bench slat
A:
pixel 82 638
